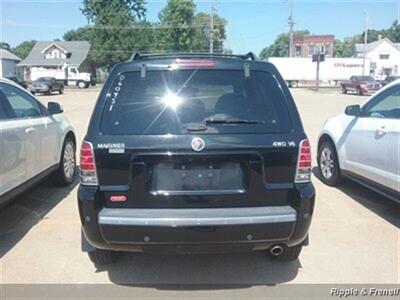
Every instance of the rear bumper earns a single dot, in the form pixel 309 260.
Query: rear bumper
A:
pixel 174 218
pixel 195 230
pixel 39 90
pixel 369 90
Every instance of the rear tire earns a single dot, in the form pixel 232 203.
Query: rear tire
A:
pixel 103 257
pixel 82 85
pixel 65 174
pixel 61 91
pixel 289 253
pixel 328 164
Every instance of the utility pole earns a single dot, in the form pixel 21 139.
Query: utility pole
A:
pixel 212 27
pixel 317 79
pixel 291 25
pixel 365 42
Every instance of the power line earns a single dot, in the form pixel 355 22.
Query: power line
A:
pixel 127 27
pixel 201 25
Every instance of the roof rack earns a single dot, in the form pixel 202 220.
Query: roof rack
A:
pixel 137 56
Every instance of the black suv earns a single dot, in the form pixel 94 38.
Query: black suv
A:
pixel 193 154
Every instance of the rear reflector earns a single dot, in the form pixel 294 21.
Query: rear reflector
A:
pixel 303 172
pixel 118 198
pixel 88 165
pixel 195 63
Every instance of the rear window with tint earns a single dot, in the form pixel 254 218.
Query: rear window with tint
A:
pixel 174 101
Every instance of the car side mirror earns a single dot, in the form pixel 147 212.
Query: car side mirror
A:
pixel 353 110
pixel 54 108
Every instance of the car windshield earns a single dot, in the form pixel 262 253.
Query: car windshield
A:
pixel 43 79
pixel 178 101
pixel 364 78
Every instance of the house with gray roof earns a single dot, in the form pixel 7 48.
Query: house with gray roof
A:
pixel 383 57
pixel 8 63
pixel 54 57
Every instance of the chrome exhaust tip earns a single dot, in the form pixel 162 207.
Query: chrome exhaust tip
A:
pixel 276 250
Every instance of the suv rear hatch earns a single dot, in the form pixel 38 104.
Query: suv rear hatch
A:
pixel 147 157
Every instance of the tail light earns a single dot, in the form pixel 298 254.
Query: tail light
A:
pixel 193 63
pixel 88 165
pixel 303 172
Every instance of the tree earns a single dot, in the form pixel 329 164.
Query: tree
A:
pixel 228 51
pixel 113 36
pixel 264 53
pixel 112 44
pixel 201 41
pixel 100 11
pixel 80 34
pixel 23 49
pixel 280 47
pixel 394 32
pixel 178 18
pixel 5 46
pixel 345 48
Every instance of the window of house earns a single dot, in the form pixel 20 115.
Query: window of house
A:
pixel 54 53
pixel 297 50
pixel 327 49
pixel 384 56
pixel 315 49
pixel 310 50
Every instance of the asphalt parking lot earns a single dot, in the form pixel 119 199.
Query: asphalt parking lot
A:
pixel 354 238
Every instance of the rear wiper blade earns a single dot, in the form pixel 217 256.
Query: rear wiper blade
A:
pixel 231 121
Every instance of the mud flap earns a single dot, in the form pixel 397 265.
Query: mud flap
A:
pixel 85 246
pixel 306 241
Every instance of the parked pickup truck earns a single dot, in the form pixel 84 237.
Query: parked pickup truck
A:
pixel 361 85
pixel 46 85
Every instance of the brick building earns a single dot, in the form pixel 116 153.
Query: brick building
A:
pixel 306 46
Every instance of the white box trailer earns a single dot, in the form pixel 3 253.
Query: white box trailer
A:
pixel 297 70
pixel 69 75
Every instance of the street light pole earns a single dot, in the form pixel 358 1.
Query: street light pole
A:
pixel 317 79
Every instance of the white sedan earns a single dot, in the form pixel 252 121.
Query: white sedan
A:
pixel 35 142
pixel 363 144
